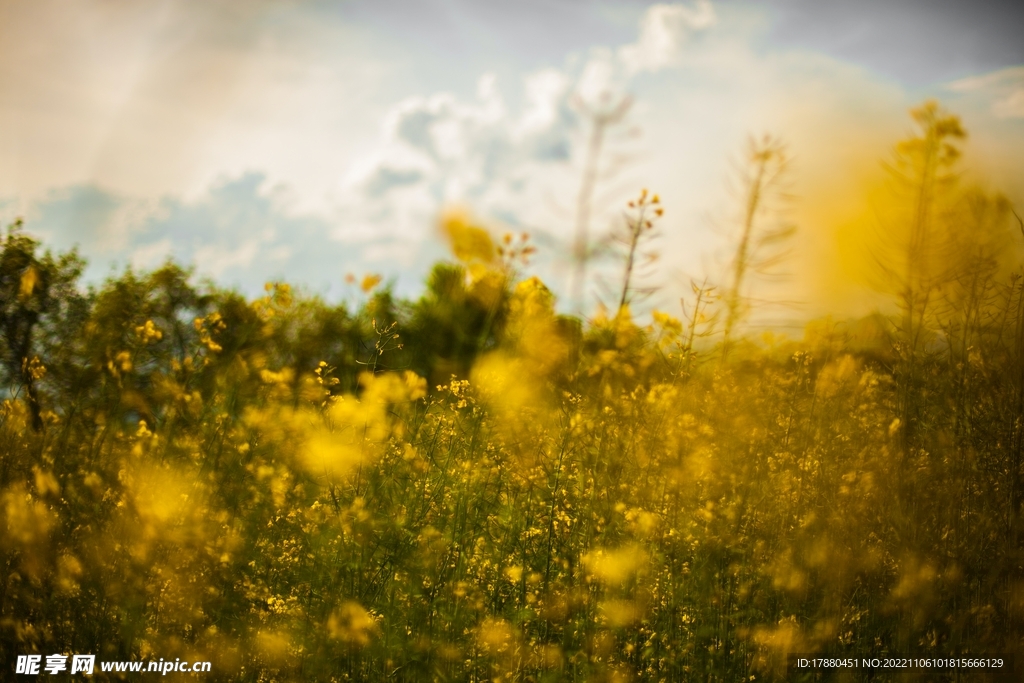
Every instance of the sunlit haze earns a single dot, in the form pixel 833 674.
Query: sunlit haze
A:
pixel 306 140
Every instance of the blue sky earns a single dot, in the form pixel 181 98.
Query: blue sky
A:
pixel 304 140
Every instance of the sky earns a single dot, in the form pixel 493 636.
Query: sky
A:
pixel 303 140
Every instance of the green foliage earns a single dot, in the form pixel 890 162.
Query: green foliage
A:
pixel 269 484
pixel 36 297
pixel 450 326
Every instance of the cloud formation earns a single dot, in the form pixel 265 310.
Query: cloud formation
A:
pixel 239 232
pixel 1004 89
pixel 519 167
pixel 702 78
pixel 441 149
pixel 664 30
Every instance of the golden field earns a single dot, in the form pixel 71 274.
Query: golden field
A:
pixel 470 486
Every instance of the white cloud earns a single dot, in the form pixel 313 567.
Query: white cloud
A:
pixel 696 100
pixel 545 92
pixel 664 33
pixel 151 255
pixel 664 30
pixel 1004 89
pixel 703 77
pixel 160 97
pixel 441 149
pixel 603 75
pixel 1011 106
pixel 217 259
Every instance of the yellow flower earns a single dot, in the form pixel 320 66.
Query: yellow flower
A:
pixel 369 282
pixel 352 623
pixel 470 243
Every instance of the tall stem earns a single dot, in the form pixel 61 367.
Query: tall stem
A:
pixel 584 200
pixel 636 228
pixel 742 262
pixel 583 204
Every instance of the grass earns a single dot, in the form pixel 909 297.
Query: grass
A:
pixel 470 487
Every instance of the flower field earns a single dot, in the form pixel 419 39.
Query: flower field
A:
pixel 470 486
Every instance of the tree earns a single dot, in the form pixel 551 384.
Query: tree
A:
pixel 32 289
